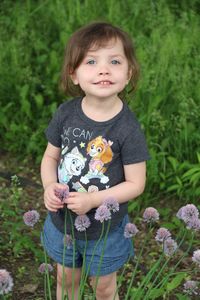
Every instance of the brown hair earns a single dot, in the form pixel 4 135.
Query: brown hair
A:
pixel 95 34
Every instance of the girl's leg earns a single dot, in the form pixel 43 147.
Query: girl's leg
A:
pixel 68 281
pixel 106 287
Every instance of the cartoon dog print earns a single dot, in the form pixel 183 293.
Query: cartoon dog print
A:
pixel 71 165
pixel 101 153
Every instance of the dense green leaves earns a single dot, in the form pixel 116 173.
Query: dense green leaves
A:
pixel 166 36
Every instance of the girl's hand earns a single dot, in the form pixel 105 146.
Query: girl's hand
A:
pixel 80 203
pixel 51 201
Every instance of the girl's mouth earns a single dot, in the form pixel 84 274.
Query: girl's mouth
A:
pixel 104 82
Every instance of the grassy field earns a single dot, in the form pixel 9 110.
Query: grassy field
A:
pixel 167 103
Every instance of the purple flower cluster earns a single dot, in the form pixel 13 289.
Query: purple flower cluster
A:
pixel 102 213
pixel 31 217
pixel 150 215
pixel 169 247
pixel 62 193
pixel 190 215
pixel 67 240
pixel 111 204
pixel 6 282
pixel 162 234
pixel 191 288
pixel 196 257
pixel 45 267
pixel 82 222
pixel 130 230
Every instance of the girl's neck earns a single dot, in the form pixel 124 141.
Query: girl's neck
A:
pixel 101 109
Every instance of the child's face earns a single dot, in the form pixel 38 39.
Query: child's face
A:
pixel 104 72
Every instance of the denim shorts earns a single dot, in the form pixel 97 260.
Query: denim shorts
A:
pixel 116 250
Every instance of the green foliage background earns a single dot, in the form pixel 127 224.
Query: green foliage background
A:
pixel 166 36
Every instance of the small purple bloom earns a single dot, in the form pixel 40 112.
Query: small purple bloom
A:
pixel 102 213
pixel 162 234
pixel 63 193
pixel 45 268
pixel 191 288
pixel 150 215
pixel 188 212
pixel 6 282
pixel 196 257
pixel 67 240
pixel 82 222
pixel 31 217
pixel 194 224
pixel 130 230
pixel 169 247
pixel 111 204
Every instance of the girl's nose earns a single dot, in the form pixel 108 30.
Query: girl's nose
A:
pixel 104 70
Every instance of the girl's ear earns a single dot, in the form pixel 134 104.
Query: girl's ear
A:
pixel 74 78
pixel 130 73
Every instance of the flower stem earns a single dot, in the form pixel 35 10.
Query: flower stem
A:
pixel 83 269
pixel 63 259
pixel 74 248
pixel 135 270
pixel 46 269
pixel 101 259
pixel 93 253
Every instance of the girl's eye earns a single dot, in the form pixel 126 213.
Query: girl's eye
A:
pixel 115 62
pixel 91 62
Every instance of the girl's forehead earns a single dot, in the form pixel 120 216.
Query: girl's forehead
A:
pixel 109 45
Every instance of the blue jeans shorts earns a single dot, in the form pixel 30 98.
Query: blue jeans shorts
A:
pixel 117 249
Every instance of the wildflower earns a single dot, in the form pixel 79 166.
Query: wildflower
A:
pixel 196 257
pixel 130 230
pixel 6 282
pixel 150 215
pixel 194 224
pixel 67 240
pixel 191 288
pixel 169 247
pixel 188 212
pixel 45 267
pixel 62 194
pixel 31 217
pixel 82 222
pixel 162 234
pixel 102 213
pixel 111 204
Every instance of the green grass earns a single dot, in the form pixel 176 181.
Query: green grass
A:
pixel 166 36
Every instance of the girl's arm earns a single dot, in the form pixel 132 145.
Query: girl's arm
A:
pixel 49 166
pixel 132 187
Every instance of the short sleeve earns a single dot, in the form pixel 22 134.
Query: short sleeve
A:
pixel 134 148
pixel 53 131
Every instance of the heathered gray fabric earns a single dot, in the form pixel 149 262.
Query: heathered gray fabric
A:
pixel 122 142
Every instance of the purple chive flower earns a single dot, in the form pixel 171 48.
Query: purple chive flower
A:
pixel 45 268
pixel 169 247
pixel 191 288
pixel 194 224
pixel 196 257
pixel 63 193
pixel 67 240
pixel 188 212
pixel 130 230
pixel 31 217
pixel 102 213
pixel 6 282
pixel 150 215
pixel 111 204
pixel 162 234
pixel 82 222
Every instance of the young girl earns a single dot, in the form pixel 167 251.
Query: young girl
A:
pixel 96 147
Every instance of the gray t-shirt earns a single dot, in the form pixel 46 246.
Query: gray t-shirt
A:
pixel 93 155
